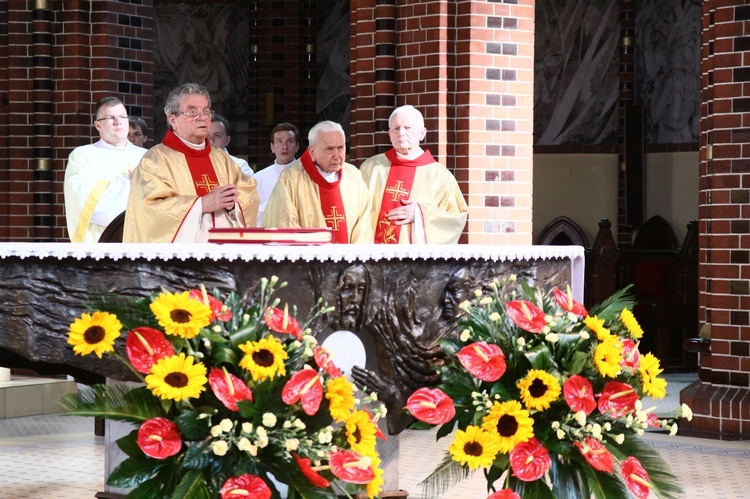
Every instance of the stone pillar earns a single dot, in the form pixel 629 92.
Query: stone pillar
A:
pixel 469 68
pixel 722 405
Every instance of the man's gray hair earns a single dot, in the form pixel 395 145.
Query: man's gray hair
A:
pixel 322 127
pixel 408 108
pixel 171 106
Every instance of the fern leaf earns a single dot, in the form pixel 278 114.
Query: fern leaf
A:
pixel 120 403
pixel 447 474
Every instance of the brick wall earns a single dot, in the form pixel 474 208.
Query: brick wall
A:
pixel 722 403
pixel 468 66
pixel 59 59
pixel 282 72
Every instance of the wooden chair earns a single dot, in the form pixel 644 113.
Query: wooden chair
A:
pixel 562 231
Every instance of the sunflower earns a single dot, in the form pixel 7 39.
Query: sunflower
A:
pixel 375 485
pixel 652 385
pixel 95 332
pixel 607 357
pixel 597 326
pixel 177 378
pixel 340 395
pixel 360 433
pixel 511 422
pixel 631 324
pixel 475 447
pixel 538 389
pixel 264 358
pixel 181 315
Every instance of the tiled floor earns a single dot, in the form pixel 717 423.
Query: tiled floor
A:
pixel 53 456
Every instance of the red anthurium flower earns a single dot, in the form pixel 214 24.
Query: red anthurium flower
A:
pixel 245 485
pixel 228 388
pixel 567 303
pixel 159 438
pixel 631 357
pixel 312 475
pixel 504 494
pixel 305 386
pixel 281 322
pixel 324 361
pixel 145 346
pixel 529 460
pixel 431 405
pixel 653 420
pixel 378 432
pixel 617 399
pixel 484 361
pixel 526 315
pixel 635 477
pixel 351 467
pixel 596 454
pixel 579 394
pixel 218 309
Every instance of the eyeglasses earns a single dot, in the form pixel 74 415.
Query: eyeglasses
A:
pixel 194 114
pixel 123 117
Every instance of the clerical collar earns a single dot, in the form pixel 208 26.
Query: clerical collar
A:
pixel 195 147
pixel 411 157
pixel 329 177
pixel 106 145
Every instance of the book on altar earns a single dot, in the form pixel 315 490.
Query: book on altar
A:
pixel 269 235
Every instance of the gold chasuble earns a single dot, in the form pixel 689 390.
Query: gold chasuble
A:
pixel 441 214
pixel 302 198
pixel 168 182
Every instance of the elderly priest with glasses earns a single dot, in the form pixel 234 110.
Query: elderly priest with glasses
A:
pixel 183 187
pixel 97 176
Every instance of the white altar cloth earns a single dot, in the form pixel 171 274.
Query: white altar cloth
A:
pixel 279 253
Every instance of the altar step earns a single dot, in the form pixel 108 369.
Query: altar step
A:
pixel 31 396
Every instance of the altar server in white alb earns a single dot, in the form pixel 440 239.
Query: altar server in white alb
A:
pixel 284 146
pixel 97 176
pixel 415 199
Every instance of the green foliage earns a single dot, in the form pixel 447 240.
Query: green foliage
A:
pixel 119 403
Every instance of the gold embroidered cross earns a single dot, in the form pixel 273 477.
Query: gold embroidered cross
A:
pixel 334 218
pixel 206 184
pixel 397 191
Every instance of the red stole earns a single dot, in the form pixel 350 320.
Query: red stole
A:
pixel 397 187
pixel 199 162
pixel 331 203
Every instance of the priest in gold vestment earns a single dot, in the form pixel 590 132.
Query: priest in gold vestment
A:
pixel 415 200
pixel 321 190
pixel 182 187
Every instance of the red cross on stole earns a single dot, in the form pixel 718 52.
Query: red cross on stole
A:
pixel 331 203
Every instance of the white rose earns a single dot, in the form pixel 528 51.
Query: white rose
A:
pixel 495 317
pixel 291 445
pixel 287 424
pixel 465 335
pixel 686 412
pixel 298 423
pixel 478 293
pixel 215 431
pixel 552 338
pixel 220 447
pixel 585 335
pixel 269 420
pixel 244 444
pixel 560 434
pixel 521 342
pixel 620 438
pixel 247 428
pixel 673 430
pixel 580 418
pixel 226 425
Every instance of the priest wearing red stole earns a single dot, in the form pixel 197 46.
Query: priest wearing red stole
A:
pixel 183 187
pixel 321 190
pixel 415 200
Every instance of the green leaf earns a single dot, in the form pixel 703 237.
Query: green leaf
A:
pixel 537 489
pixel 196 457
pixel 540 357
pixel 578 363
pixel 447 474
pixel 120 403
pixel 445 429
pixel 222 353
pixel 191 426
pixel 133 472
pixel 192 486
pixel 451 346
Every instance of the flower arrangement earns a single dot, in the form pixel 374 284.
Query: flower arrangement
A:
pixel 547 398
pixel 237 400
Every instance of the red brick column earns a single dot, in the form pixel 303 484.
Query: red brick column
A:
pixel 723 403
pixel 468 67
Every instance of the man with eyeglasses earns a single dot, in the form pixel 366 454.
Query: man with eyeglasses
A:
pixel 410 190
pixel 97 176
pixel 284 146
pixel 183 187
pixel 321 190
